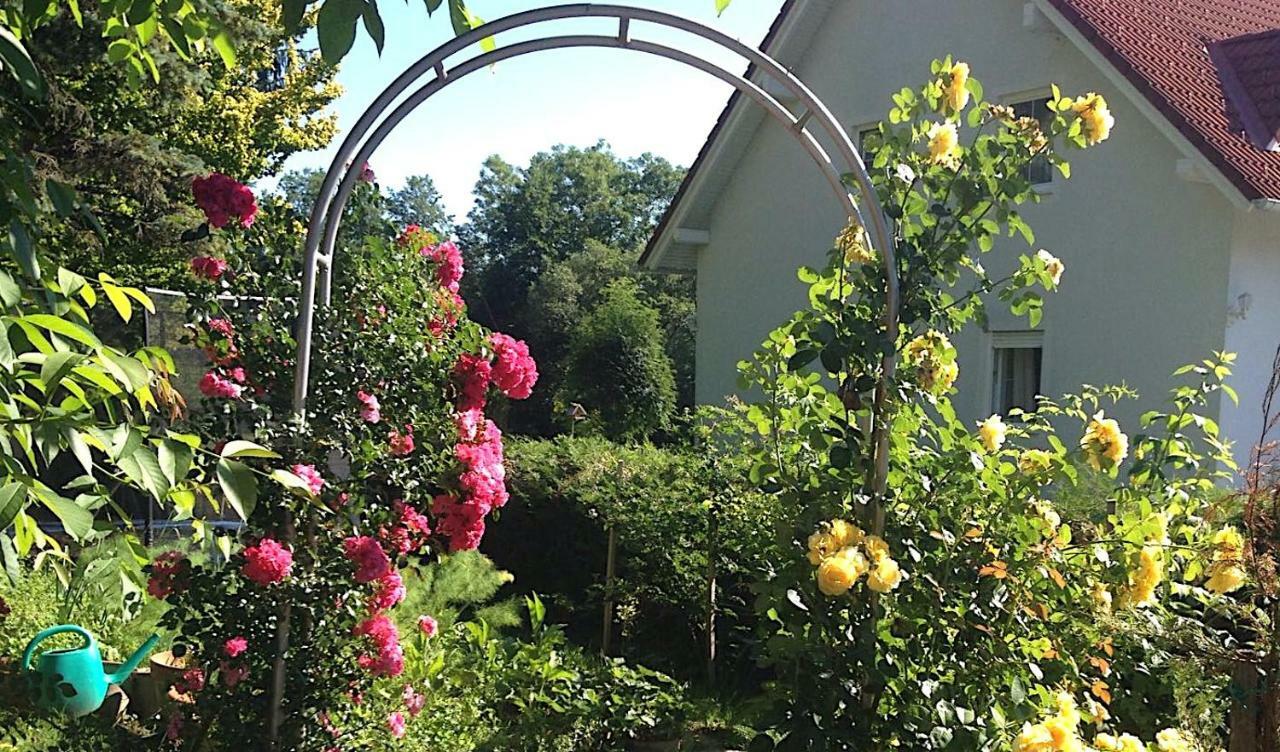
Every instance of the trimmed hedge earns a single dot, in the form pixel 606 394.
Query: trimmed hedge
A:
pixel 673 512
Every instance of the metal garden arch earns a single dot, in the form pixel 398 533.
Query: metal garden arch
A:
pixel 377 123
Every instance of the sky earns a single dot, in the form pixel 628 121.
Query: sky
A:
pixel 637 102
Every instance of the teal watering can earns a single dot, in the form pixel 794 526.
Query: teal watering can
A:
pixel 73 681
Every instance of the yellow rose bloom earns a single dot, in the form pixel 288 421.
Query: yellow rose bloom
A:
pixel 1131 743
pixel 1227 544
pixel 1068 711
pixel 1035 738
pixel 1049 516
pixel 846 533
pixel 992 432
pixel 1225 577
pixel 1035 462
pixel 1095 117
pixel 884 576
pixel 957 95
pixel 1101 597
pixel 1052 264
pixel 944 145
pixel 839 573
pixel 875 547
pixel 855 245
pixel 1147 577
pixel 1106 743
pixel 1063 733
pixel 933 358
pixel 1103 444
pixel 1172 740
pixel 821 545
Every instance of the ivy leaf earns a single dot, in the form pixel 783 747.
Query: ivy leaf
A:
pixel 238 485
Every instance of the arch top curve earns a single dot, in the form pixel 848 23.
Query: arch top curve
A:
pixel 376 123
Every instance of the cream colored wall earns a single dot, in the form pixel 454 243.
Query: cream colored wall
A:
pixel 1146 252
pixel 1253 327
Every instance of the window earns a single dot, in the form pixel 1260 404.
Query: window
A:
pixel 1017 360
pixel 1040 170
pixel 868 137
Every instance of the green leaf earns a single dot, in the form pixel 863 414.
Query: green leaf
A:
pixel 143 468
pixel 336 28
pixel 79 448
pixel 239 486
pixel 62 196
pixel 20 244
pixel 226 50
pixel 76 520
pixel 292 13
pixel 117 297
pixel 70 282
pixel 432 6
pixel 292 482
pixel 128 371
pixel 120 50
pixel 373 24
pixel 13 497
pixel 721 5
pixel 10 557
pixel 241 448
pixel 7 357
pixel 14 57
pixel 68 329
pixel 175 460
pixel 10 293
pixel 55 367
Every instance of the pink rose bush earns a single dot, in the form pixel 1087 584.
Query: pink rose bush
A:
pixel 222 199
pixel 401 386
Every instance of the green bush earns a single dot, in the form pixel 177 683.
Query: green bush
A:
pixel 618 369
pixel 664 504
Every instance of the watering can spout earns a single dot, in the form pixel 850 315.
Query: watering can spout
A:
pixel 128 666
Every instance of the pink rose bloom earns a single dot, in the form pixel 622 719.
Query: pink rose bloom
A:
pixel 388 590
pixel 395 722
pixel 232 673
pixel 448 260
pixel 461 523
pixel 410 533
pixel 413 700
pixel 212 384
pixel 401 444
pixel 428 625
pixel 268 562
pixel 223 327
pixel 309 474
pixel 387 658
pixel 370 410
pixel 473 373
pixel 208 267
pixel 221 198
pixel 367 554
pixel 237 374
pixel 514 371
pixel 366 174
pixel 192 681
pixel 483 477
pixel 235 646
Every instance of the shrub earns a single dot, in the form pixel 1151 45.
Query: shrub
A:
pixel 663 504
pixel 618 369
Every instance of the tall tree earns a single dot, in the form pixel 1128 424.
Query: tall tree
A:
pixel 418 202
pixel 131 148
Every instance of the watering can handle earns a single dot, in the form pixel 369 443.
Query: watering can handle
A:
pixel 29 653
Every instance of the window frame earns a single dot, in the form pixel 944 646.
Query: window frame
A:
pixel 1010 340
pixel 1031 96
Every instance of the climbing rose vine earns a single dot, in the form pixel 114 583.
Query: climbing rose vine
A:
pixel 397 462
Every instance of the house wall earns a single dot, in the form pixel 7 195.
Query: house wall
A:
pixel 1146 251
pixel 1253 326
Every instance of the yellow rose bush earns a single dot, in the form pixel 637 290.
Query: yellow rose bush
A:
pixel 1068 547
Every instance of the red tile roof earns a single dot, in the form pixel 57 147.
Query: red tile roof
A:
pixel 1163 48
